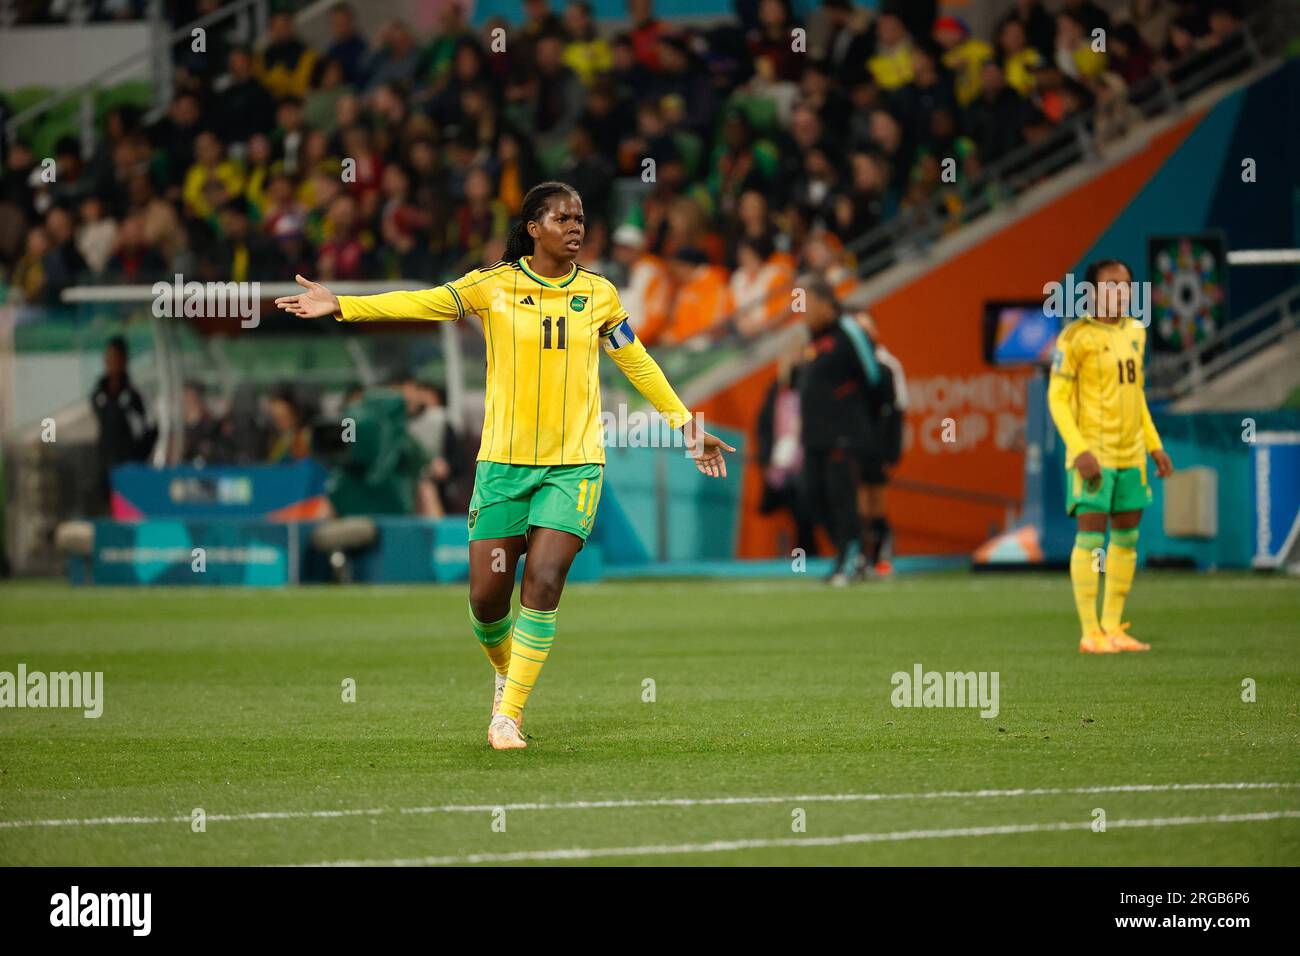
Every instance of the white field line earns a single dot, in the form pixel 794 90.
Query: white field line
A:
pixel 724 846
pixel 655 802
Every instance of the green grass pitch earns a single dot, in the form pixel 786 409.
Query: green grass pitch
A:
pixel 772 705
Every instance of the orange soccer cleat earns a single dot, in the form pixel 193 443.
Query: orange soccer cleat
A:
pixel 1120 640
pixel 1096 643
pixel 503 734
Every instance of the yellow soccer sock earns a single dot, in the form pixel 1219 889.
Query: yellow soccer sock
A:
pixel 1083 575
pixel 1121 564
pixel 495 638
pixel 529 646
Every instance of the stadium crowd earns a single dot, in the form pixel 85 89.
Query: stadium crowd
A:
pixel 714 163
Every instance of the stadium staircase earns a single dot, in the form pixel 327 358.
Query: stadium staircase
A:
pixel 1252 363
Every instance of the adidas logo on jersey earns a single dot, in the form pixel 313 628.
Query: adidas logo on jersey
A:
pixel 527 300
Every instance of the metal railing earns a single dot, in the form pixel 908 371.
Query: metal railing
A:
pixel 1173 376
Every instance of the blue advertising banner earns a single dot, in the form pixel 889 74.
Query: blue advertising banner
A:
pixel 292 492
pixel 194 553
pixel 1276 460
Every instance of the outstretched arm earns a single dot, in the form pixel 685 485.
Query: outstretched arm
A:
pixel 318 301
pixel 648 378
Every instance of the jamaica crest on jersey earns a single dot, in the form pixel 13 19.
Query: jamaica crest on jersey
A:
pixel 578 302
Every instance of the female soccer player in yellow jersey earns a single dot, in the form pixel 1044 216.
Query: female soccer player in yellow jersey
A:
pixel 1097 399
pixel 541 461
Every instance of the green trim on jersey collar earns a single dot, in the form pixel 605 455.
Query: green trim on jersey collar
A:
pixel 548 282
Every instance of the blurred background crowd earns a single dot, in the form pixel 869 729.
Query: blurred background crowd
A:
pixel 714 163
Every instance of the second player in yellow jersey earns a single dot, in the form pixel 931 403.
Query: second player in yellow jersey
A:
pixel 1097 398
pixel 1098 377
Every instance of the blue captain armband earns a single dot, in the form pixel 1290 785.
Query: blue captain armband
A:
pixel 617 337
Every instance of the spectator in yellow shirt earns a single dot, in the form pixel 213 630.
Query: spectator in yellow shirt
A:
pixel 585 53
pixel 891 67
pixel 286 65
pixel 1076 56
pixel 963 54
pixel 1019 59
pixel 208 166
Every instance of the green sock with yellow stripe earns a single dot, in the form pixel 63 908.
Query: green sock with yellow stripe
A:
pixel 495 638
pixel 530 643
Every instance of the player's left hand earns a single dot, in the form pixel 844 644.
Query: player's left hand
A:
pixel 1164 465
pixel 707 451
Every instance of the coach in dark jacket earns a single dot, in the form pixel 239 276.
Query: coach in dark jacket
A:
pixel 125 431
pixel 836 426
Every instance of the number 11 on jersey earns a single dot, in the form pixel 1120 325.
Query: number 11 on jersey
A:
pixel 546 332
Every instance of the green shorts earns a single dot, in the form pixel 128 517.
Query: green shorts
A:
pixel 1118 489
pixel 510 499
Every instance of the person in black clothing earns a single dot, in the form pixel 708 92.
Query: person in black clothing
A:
pixel 1040 28
pixel 996 119
pixel 847 49
pixel 886 404
pixel 835 428
pixel 1093 16
pixel 780 455
pixel 243 106
pixel 63 264
pixel 931 89
pixel 239 252
pixel 347 45
pixel 205 440
pixel 917 15
pixel 173 137
pixel 126 433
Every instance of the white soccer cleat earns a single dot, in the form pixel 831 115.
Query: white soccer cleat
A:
pixel 498 693
pixel 503 734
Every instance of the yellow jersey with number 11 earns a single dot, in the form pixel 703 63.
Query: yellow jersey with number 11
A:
pixel 544 337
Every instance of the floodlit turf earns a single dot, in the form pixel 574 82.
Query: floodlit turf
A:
pixel 231 701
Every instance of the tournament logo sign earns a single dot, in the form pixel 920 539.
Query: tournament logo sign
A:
pixel 1189 289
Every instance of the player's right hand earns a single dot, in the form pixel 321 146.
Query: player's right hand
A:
pixel 1087 466
pixel 315 303
pixel 1164 465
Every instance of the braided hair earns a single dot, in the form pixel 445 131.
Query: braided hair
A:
pixel 518 242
